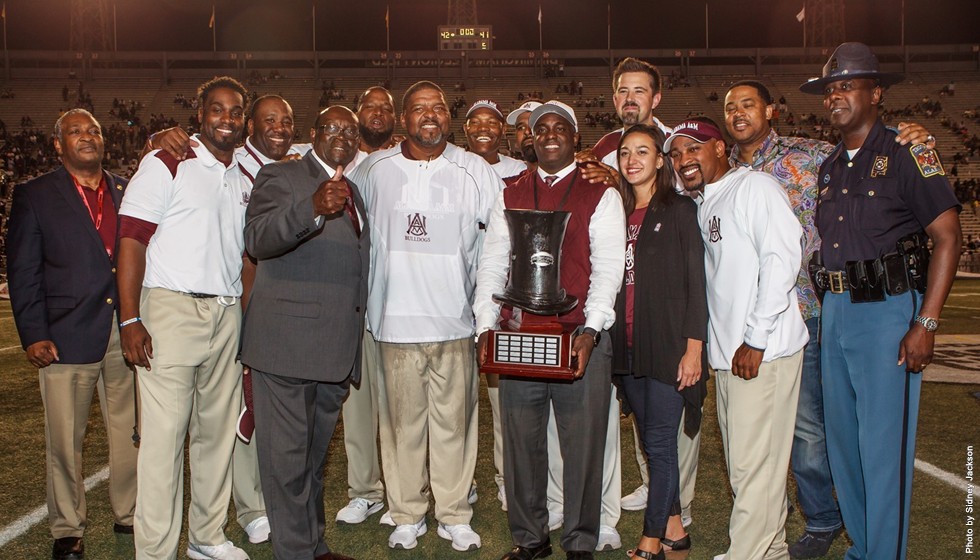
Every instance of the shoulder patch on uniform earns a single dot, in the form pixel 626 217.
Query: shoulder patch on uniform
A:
pixel 880 166
pixel 927 159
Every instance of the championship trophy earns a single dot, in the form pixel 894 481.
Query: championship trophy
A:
pixel 533 343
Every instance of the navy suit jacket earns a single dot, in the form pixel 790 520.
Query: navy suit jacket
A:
pixel 62 282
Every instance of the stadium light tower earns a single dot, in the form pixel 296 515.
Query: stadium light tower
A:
pixel 462 12
pixel 824 22
pixel 90 25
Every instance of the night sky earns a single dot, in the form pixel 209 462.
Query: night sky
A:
pixel 359 24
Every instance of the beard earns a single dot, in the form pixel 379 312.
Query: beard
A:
pixel 376 138
pixel 529 154
pixel 632 117
pixel 429 142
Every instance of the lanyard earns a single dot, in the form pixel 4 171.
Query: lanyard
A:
pixel 97 218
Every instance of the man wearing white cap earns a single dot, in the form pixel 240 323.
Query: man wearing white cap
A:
pixel 484 128
pixel 518 118
pixel 756 333
pixel 592 264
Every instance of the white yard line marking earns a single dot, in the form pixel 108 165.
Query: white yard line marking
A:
pixel 24 524
pixel 949 478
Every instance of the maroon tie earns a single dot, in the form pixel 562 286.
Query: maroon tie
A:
pixel 352 213
pixel 550 179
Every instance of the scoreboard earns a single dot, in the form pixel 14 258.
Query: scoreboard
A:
pixel 468 38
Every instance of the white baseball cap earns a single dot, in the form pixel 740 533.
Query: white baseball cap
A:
pixel 554 107
pixel 527 107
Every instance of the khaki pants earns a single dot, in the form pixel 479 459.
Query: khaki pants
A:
pixel 66 391
pixel 428 405
pixel 194 385
pixel 757 419
pixel 246 488
pixel 361 428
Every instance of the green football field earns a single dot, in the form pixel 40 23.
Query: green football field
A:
pixel 949 424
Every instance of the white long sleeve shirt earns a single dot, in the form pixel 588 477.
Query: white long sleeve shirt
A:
pixel 752 259
pixel 607 248
pixel 426 232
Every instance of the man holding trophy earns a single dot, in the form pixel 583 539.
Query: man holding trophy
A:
pixel 589 263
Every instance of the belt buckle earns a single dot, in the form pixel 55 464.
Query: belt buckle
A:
pixel 836 279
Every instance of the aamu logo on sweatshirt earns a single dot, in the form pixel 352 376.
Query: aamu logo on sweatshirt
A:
pixel 416 228
pixel 714 229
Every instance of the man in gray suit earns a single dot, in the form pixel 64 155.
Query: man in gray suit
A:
pixel 305 224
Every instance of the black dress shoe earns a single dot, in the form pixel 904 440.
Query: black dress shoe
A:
pixel 121 529
pixel 525 553
pixel 579 555
pixel 681 544
pixel 68 548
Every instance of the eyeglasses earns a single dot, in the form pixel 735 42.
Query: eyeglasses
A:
pixel 350 133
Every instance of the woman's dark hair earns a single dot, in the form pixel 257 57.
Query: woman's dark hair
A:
pixel 664 183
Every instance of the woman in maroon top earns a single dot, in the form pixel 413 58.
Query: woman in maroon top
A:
pixel 658 346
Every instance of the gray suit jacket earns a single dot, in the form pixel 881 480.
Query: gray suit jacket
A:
pixel 305 315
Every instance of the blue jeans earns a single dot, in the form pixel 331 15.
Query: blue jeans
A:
pixel 814 487
pixel 657 408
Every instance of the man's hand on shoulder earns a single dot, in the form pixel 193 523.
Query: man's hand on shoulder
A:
pixel 174 141
pixel 912 133
pixel 42 353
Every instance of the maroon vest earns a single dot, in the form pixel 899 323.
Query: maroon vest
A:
pixel 576 268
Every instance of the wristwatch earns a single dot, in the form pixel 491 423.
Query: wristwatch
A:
pixel 596 335
pixel 930 324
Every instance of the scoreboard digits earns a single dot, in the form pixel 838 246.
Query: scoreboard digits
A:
pixel 469 38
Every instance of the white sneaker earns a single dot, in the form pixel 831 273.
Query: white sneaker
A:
pixel 464 538
pixel 720 557
pixel 686 521
pixel 357 510
pixel 637 501
pixel 406 536
pixel 386 519
pixel 224 551
pixel 608 539
pixel 472 497
pixel 502 496
pixel 555 520
pixel 258 530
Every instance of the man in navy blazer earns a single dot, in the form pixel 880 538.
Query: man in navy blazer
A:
pixel 306 226
pixel 61 248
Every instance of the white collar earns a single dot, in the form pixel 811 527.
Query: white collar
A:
pixel 561 174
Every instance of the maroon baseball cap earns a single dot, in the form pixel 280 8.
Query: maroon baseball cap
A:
pixel 698 130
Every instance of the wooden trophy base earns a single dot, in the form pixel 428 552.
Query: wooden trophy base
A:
pixel 538 350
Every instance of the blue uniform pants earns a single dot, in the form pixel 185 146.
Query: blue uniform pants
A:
pixel 814 487
pixel 869 402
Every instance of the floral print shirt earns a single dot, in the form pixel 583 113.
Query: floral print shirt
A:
pixel 795 163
